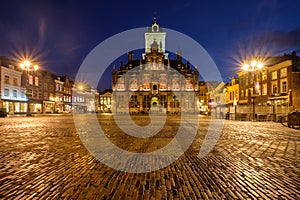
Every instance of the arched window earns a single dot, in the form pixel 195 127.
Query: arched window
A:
pixel 154 87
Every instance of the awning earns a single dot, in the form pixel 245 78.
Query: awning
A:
pixel 278 97
pixel 244 101
pixel 51 102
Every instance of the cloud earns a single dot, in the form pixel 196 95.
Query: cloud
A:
pixel 269 43
pixel 281 41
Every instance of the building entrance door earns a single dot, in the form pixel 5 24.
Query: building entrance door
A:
pixel 154 102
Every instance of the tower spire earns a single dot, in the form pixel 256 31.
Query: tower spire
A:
pixel 154 19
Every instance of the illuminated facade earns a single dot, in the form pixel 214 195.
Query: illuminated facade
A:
pixel 155 83
pixel 48 92
pixel 105 102
pixel 63 94
pixel 84 98
pixel 276 84
pixel 13 99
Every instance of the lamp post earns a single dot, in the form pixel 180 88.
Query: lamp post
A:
pixel 235 104
pixel 28 67
pixel 252 67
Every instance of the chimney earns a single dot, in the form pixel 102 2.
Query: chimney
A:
pixel 179 55
pixel 121 65
pixel 130 56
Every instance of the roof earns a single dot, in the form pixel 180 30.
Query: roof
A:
pixel 5 61
pixel 174 63
pixel 278 59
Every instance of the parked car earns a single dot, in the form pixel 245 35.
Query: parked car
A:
pixel 293 119
pixel 3 112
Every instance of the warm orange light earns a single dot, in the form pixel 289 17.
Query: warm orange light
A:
pixel 246 67
pixel 26 63
pixel 260 65
pixel 253 63
pixel 80 87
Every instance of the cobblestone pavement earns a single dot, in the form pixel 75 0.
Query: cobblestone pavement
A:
pixel 43 158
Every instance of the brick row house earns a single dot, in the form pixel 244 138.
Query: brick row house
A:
pixel 48 92
pixel 273 90
pixel 277 84
pixel 63 90
pixel 33 82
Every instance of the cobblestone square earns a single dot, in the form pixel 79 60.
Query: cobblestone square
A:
pixel 44 158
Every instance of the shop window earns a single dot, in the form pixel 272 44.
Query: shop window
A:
pixel 17 107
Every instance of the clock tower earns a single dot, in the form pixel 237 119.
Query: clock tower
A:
pixel 155 34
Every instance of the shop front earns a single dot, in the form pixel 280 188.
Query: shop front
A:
pixel 48 107
pixel 14 107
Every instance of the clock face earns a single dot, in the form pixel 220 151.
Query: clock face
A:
pixel 154 28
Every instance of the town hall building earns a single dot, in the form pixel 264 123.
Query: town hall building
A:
pixel 155 83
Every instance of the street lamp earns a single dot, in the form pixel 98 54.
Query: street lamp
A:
pixel 80 87
pixel 252 67
pixel 28 67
